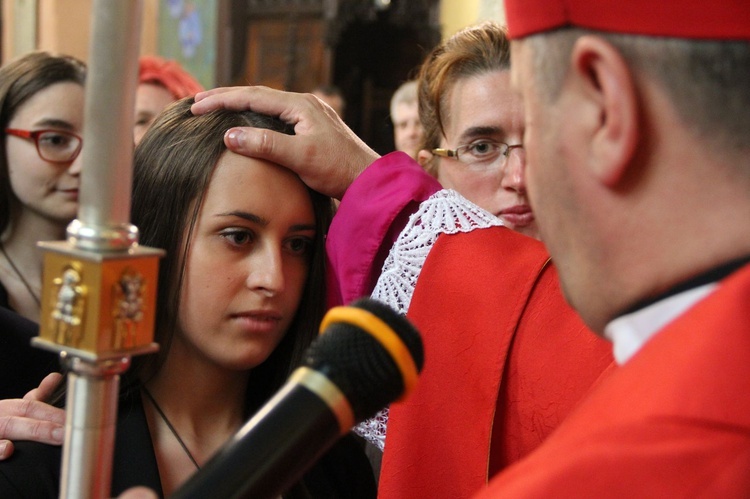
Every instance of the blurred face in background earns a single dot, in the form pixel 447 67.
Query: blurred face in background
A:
pixel 150 100
pixel 407 129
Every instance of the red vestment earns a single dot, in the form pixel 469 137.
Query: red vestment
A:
pixel 506 359
pixel 673 421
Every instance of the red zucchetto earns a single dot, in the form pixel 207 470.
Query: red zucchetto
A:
pixel 698 19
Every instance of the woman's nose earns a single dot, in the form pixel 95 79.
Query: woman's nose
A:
pixel 266 272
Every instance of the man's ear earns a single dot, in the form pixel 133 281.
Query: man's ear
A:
pixel 605 80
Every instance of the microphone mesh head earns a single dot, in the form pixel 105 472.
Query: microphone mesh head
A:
pixel 359 365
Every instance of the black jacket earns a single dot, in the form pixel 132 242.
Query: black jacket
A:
pixel 34 469
pixel 22 366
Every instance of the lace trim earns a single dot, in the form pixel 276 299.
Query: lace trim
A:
pixel 445 212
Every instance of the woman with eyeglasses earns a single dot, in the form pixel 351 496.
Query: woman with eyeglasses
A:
pixel 41 122
pixel 498 332
pixel 473 125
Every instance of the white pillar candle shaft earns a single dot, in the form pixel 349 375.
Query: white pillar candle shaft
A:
pixel 108 128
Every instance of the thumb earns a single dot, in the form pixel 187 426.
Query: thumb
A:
pixel 138 493
pixel 6 449
pixel 261 143
pixel 45 388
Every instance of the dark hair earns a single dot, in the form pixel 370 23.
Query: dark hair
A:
pixel 173 167
pixel 472 51
pixel 20 80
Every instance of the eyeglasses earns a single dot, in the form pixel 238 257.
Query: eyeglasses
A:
pixel 55 146
pixel 483 153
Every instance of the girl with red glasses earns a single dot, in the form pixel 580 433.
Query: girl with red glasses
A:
pixel 41 121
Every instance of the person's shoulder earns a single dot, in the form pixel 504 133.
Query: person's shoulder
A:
pixel 489 247
pixel 22 366
pixel 504 236
pixel 17 325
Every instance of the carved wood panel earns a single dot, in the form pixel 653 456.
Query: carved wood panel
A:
pixel 288 54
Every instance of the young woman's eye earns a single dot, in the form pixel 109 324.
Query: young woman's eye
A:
pixel 238 237
pixel 300 245
pixel 55 140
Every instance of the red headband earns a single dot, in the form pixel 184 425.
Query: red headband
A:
pixel 700 19
pixel 169 74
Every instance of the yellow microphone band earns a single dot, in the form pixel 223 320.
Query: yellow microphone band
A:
pixel 319 384
pixel 383 333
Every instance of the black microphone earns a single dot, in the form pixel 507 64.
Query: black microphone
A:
pixel 367 356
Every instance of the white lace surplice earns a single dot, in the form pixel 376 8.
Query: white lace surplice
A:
pixel 445 212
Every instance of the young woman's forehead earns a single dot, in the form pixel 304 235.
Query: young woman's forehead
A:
pixel 260 187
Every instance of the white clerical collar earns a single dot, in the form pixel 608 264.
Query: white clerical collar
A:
pixel 628 333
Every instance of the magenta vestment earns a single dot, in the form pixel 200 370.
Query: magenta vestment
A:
pixel 362 233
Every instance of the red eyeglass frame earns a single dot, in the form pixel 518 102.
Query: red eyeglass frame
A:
pixel 34 135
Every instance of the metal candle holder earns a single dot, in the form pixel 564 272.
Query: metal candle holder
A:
pixel 99 289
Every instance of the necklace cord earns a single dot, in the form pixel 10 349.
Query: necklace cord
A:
pixel 171 428
pixel 20 275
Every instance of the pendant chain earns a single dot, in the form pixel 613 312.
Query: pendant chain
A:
pixel 20 276
pixel 171 428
